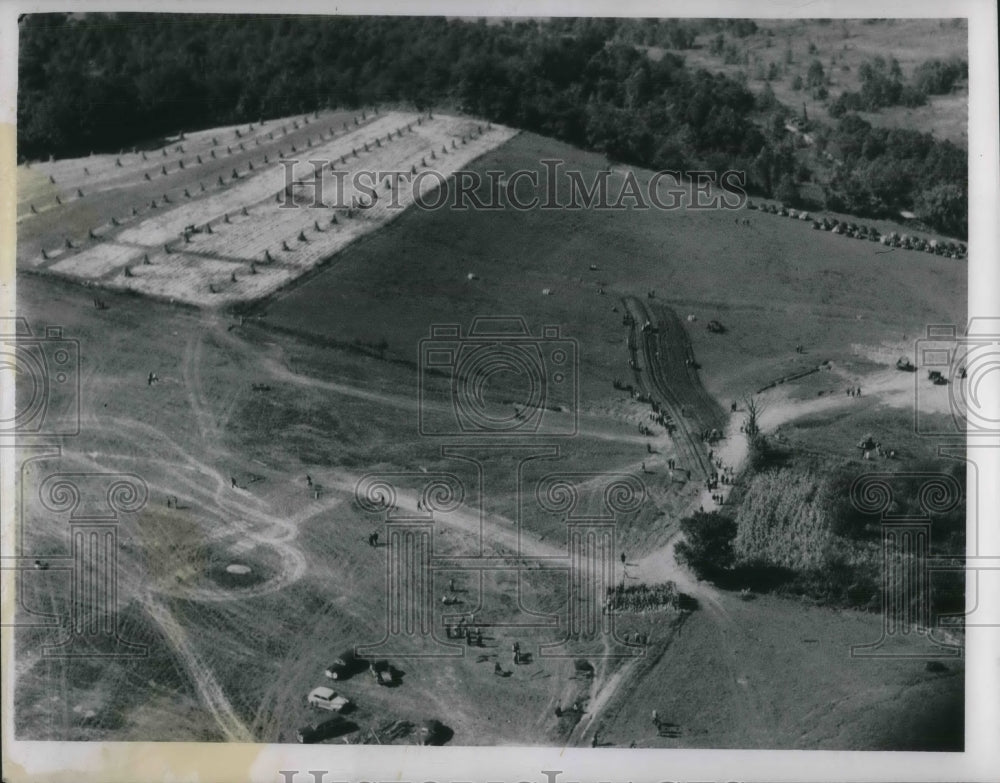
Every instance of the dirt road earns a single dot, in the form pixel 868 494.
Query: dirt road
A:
pixel 663 366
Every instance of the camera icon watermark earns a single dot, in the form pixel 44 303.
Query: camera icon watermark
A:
pixel 908 565
pixel 93 504
pixel 498 380
pixel 968 367
pixel 44 372
pixel 414 506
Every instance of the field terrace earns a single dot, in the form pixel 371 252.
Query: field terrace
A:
pixel 247 245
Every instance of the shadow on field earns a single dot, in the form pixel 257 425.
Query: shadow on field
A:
pixel 933 723
pixel 760 578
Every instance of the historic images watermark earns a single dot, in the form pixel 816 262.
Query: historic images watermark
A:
pixel 907 562
pixel 553 185
pixel 92 506
pixel 965 367
pixel 44 371
pixel 499 395
pixel 412 505
pixel 969 366
pixel 456 371
pixel 321 776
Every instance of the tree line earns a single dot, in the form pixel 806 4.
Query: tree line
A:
pixel 100 82
pixel 883 85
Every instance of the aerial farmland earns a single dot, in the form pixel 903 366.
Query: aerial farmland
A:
pixel 443 474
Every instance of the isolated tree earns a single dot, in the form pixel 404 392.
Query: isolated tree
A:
pixel 751 424
pixel 756 442
pixel 815 75
pixel 707 548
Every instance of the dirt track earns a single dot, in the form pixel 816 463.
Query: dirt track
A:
pixel 663 366
pixel 185 439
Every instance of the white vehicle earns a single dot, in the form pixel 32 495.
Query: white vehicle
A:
pixel 327 699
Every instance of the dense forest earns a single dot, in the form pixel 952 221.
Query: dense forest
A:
pixel 102 82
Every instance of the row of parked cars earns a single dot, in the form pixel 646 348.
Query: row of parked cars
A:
pixel 325 698
pixel 945 248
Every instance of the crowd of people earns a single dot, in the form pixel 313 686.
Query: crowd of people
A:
pixel 641 598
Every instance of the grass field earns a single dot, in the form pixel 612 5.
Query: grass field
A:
pixel 322 381
pixel 841 46
pixel 774 284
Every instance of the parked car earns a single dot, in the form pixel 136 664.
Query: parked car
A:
pixel 327 699
pixel 332 727
pixel 382 673
pixel 434 732
pixel 343 666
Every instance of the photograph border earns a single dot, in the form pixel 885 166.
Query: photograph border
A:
pixel 120 761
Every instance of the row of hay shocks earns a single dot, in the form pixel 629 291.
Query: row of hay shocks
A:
pixel 433 153
pixel 198 161
pixel 164 171
pixel 285 246
pixel 97 233
pixel 857 231
pixel 215 141
pixel 377 143
pixel 115 222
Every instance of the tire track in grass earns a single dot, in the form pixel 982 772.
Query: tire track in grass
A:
pixel 211 693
